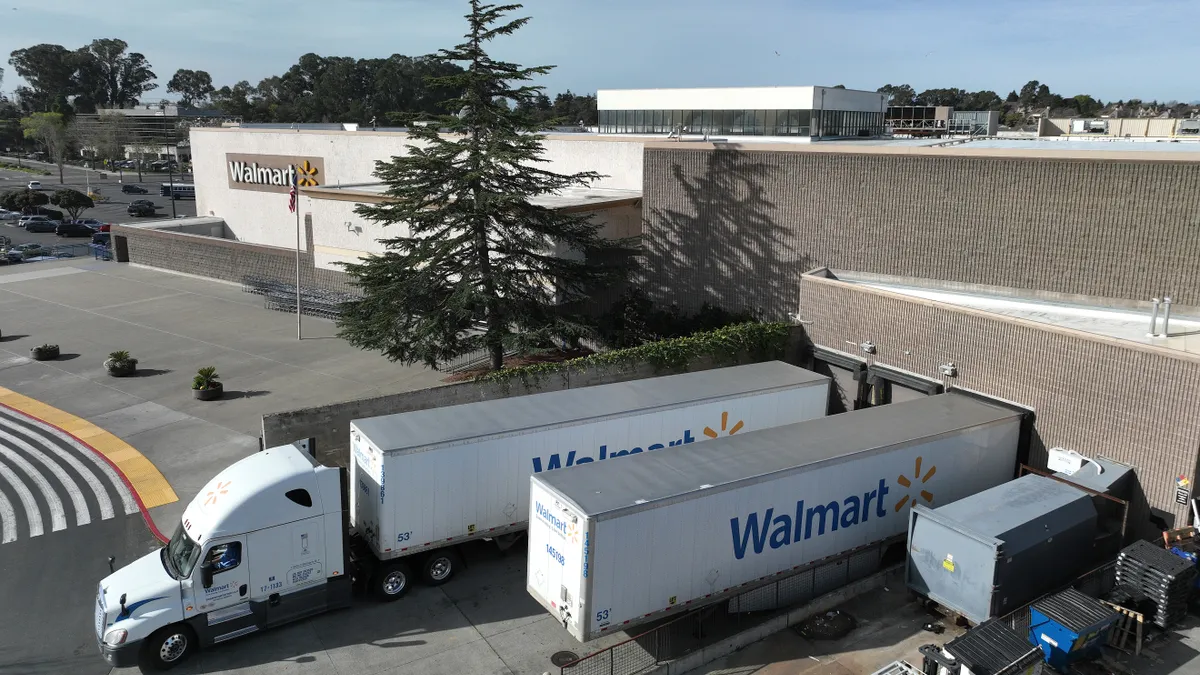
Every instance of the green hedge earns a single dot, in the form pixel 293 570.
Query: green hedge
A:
pixel 756 341
pixel 26 169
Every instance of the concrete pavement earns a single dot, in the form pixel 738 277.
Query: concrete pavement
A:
pixel 174 325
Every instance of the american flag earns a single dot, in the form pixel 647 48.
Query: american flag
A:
pixel 292 195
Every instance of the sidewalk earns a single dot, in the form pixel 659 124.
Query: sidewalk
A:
pixel 173 325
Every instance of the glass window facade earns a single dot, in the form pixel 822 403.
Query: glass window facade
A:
pixel 815 123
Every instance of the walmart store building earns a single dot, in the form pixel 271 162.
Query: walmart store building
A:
pixel 1021 270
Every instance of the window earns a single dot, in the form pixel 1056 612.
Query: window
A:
pixel 300 496
pixel 737 121
pixel 771 129
pixel 224 557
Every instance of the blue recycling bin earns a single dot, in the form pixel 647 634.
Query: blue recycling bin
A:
pixel 1070 627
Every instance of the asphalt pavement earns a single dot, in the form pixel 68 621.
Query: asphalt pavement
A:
pixel 112 211
pixel 63 512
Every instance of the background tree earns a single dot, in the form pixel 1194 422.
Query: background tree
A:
pixel 49 129
pixel 73 202
pixel 50 72
pixel 105 135
pixel 193 86
pixel 108 76
pixel 479 266
pixel 901 94
pixel 25 201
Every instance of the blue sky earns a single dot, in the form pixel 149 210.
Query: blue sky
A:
pixel 1108 48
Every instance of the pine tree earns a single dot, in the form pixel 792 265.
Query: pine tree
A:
pixel 478 266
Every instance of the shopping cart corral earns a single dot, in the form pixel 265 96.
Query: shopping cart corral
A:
pixel 281 296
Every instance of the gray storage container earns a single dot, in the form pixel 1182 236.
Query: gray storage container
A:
pixel 985 555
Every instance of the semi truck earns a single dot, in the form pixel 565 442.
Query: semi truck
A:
pixel 277 537
pixel 683 528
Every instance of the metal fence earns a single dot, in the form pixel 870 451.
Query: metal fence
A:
pixel 52 252
pixel 1096 583
pixel 681 635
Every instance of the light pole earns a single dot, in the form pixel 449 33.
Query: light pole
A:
pixel 171 178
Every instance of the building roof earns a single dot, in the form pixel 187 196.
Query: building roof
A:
pixel 1126 321
pixel 572 199
pixel 673 473
pixel 422 429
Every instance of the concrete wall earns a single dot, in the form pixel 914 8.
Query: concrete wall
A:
pixel 221 259
pixel 349 157
pixel 1142 127
pixel 736 227
pixel 1099 396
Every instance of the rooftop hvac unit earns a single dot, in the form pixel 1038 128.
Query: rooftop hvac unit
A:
pixel 1191 127
pixel 1089 126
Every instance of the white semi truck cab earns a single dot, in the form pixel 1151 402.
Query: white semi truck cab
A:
pixel 265 542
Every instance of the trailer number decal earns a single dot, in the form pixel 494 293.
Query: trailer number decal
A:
pixel 555 555
pixel 403 536
pixel 602 617
pixel 586 544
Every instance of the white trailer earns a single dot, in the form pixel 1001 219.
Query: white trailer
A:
pixel 424 481
pixel 269 539
pixel 612 547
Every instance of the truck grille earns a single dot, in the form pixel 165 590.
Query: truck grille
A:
pixel 100 615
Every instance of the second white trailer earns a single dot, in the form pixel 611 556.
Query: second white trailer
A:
pixel 426 480
pixel 610 549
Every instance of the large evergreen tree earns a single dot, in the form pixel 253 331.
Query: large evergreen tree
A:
pixel 478 266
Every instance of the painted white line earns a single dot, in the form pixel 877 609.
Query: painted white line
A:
pixel 58 514
pixel 106 506
pixel 83 516
pixel 8 521
pixel 109 472
pixel 32 511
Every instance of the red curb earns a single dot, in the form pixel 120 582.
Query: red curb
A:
pixel 142 507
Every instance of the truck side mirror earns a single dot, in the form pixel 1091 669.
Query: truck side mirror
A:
pixel 206 574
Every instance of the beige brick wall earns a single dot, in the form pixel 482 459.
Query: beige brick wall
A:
pixel 1098 396
pixel 738 227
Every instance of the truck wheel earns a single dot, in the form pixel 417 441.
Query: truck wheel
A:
pixel 391 581
pixel 439 566
pixel 167 647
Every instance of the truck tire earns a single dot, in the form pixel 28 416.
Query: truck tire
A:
pixel 391 580
pixel 169 646
pixel 438 567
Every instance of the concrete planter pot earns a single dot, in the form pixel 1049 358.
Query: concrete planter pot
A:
pixel 212 393
pixel 44 353
pixel 121 368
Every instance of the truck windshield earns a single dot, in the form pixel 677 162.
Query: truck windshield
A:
pixel 181 554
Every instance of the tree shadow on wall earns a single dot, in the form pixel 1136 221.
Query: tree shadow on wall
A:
pixel 715 237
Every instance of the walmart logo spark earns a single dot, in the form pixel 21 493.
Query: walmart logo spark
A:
pixel 925 494
pixel 555 460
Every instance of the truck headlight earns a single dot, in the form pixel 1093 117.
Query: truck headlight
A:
pixel 116 637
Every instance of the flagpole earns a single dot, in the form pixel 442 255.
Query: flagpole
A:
pixel 299 312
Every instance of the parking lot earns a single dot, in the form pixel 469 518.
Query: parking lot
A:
pixel 112 211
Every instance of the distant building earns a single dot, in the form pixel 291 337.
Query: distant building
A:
pixel 156 131
pixel 802 112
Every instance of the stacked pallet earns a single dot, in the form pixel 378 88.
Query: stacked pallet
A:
pixel 1146 572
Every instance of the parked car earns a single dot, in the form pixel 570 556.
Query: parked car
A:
pixel 131 189
pixel 102 238
pixel 74 229
pixel 12 216
pixel 38 224
pixel 31 250
pixel 35 185
pixel 90 222
pixel 147 202
pixel 141 209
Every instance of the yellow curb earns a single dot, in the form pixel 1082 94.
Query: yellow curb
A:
pixel 147 481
